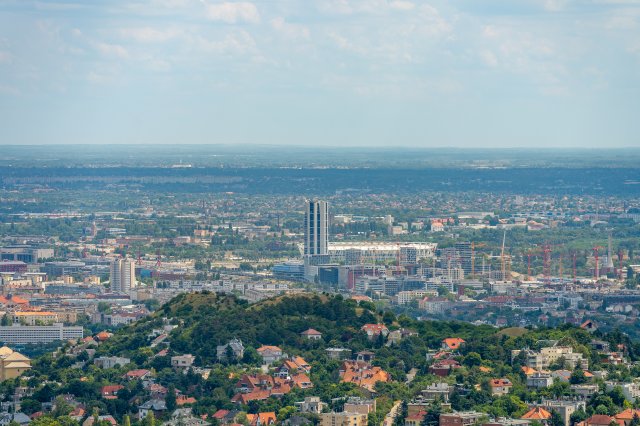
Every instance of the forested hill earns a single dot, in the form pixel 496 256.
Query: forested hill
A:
pixel 206 320
pixel 197 323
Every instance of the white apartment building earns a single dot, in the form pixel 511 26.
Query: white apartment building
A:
pixel 122 275
pixel 34 334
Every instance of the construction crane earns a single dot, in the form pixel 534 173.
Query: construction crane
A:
pixel 597 260
pixel 473 257
pixel 502 260
pixel 529 253
pixel 620 259
pixel 573 256
pixel 546 262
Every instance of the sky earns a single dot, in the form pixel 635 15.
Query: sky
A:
pixel 458 73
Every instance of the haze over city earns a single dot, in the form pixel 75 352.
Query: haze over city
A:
pixel 491 73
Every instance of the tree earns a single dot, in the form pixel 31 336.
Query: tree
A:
pixel 473 359
pixel 432 418
pixel 150 420
pixel 126 421
pixel 171 399
pixel 577 377
pixel 556 419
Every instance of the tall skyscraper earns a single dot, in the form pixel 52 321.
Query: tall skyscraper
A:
pixel 123 275
pixel 316 228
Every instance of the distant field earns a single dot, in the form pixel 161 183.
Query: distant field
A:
pixel 513 331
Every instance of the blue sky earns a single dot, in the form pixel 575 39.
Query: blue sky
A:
pixel 464 73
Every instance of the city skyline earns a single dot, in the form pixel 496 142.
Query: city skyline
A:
pixel 534 73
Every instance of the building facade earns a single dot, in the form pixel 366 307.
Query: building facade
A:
pixel 316 228
pixel 123 275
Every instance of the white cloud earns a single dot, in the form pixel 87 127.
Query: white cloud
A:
pixel 238 42
pixel 148 34
pixel 112 50
pixel 554 5
pixel 489 58
pixel 232 13
pixel 402 5
pixel 291 31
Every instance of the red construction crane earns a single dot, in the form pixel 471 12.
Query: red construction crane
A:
pixel 620 258
pixel 597 259
pixel 158 263
pixel 546 262
pixel 139 262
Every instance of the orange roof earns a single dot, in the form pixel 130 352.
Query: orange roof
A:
pixel 528 370
pixel 182 400
pixel 453 342
pixel 628 414
pixel 267 418
pixel 103 335
pixel 269 348
pixel 537 413
pixel 311 332
pixel 363 375
pixel 485 369
pixel 374 328
pixel 496 383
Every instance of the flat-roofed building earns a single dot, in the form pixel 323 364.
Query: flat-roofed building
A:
pixel 33 334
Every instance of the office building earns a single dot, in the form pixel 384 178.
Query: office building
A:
pixel 28 334
pixel 25 253
pixel 316 228
pixel 122 275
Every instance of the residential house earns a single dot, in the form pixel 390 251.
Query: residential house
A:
pixel 439 391
pixel 140 374
pixel 500 386
pixel 292 366
pixel 90 420
pixel 155 406
pixel 443 367
pixel 311 404
pixel 538 414
pixel 375 330
pixel 564 408
pixel 311 334
pixel 182 362
pixel 363 374
pixel 631 391
pixel 415 419
pixel 359 405
pixel 271 354
pixel 344 418
pixel 234 347
pixel 599 420
pixel 365 356
pixel 452 344
pixel 463 418
pixel 262 419
pixel 110 391
pixel 106 362
pixel 539 380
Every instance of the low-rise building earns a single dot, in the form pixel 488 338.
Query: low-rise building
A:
pixel 105 362
pixel 182 361
pixel 344 418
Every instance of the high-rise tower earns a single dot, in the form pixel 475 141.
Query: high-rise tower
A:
pixel 316 228
pixel 123 275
